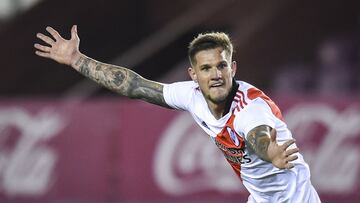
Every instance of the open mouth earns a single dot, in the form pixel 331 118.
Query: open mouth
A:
pixel 216 85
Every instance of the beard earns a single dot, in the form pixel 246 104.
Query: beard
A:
pixel 217 99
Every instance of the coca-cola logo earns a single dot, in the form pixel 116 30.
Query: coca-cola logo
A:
pixel 186 161
pixel 26 163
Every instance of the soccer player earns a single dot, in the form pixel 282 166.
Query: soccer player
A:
pixel 242 121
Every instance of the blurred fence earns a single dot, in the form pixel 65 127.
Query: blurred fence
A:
pixel 110 150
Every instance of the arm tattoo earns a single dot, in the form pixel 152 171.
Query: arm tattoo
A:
pixel 258 140
pixel 122 80
pixel 83 66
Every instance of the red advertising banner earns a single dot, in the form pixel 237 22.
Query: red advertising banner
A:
pixel 110 150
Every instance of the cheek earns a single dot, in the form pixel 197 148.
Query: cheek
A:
pixel 201 77
pixel 202 84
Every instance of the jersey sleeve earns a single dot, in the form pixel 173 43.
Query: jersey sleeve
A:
pixel 178 95
pixel 255 114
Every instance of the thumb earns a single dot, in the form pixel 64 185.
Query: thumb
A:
pixel 273 135
pixel 74 32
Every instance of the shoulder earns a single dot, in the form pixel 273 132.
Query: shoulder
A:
pixel 180 88
pixel 182 84
pixel 245 95
pixel 256 113
pixel 179 94
pixel 253 108
pixel 244 85
pixel 251 92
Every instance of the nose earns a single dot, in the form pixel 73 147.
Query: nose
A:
pixel 216 73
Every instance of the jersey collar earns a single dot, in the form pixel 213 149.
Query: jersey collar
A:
pixel 231 96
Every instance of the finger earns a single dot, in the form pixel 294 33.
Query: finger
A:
pixel 74 34
pixel 292 158
pixel 42 48
pixel 45 38
pixel 53 32
pixel 42 54
pixel 291 151
pixel 273 135
pixel 288 143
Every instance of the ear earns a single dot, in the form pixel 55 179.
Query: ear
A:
pixel 233 68
pixel 192 74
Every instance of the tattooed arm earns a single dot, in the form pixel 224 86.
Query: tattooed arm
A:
pixel 121 80
pixel 116 78
pixel 262 140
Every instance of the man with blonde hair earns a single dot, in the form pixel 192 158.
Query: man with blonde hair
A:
pixel 241 120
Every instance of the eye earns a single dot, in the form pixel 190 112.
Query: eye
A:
pixel 222 65
pixel 205 68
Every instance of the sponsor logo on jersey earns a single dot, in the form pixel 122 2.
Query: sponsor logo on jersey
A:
pixel 233 154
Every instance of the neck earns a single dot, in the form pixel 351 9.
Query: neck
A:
pixel 217 110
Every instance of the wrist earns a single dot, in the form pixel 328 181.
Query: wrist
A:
pixel 74 62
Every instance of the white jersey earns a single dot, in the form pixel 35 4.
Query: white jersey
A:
pixel 250 108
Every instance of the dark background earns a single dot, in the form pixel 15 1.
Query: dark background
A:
pixel 270 37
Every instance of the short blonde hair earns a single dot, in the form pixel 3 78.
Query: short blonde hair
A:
pixel 211 40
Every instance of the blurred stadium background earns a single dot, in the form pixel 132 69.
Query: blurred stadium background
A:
pixel 64 139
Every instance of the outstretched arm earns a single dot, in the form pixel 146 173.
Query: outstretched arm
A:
pixel 121 80
pixel 262 140
pixel 116 78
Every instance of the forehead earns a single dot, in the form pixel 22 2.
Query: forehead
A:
pixel 210 56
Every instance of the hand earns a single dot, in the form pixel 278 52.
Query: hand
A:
pixel 280 155
pixel 59 49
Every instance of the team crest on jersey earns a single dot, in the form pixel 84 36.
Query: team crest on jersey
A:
pixel 233 136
